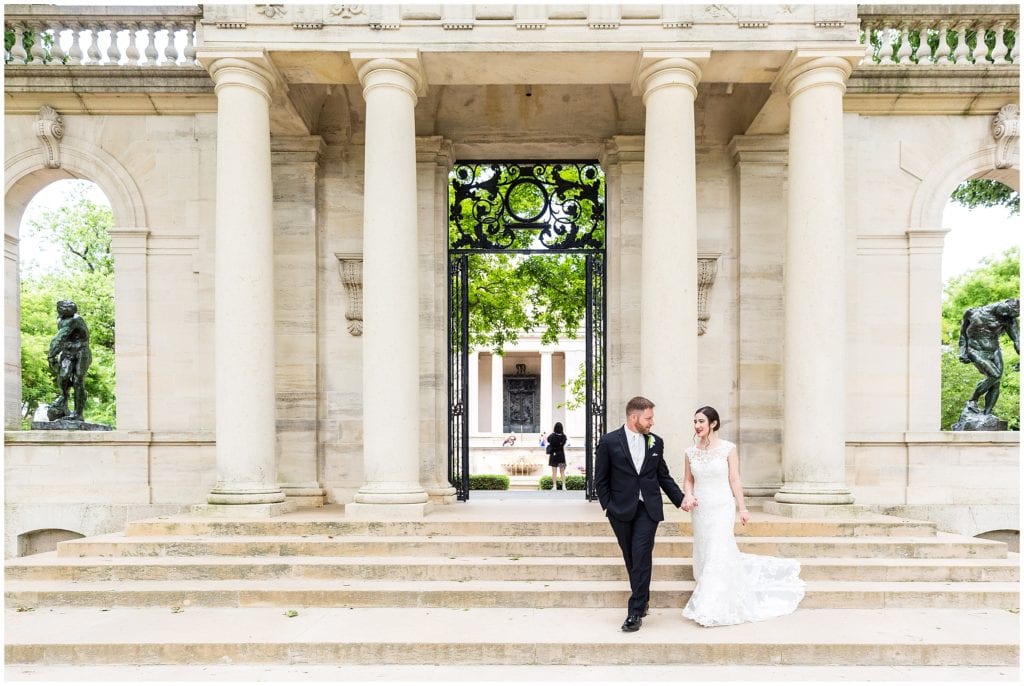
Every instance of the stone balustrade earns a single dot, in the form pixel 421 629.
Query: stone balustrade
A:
pixel 106 36
pixel 905 35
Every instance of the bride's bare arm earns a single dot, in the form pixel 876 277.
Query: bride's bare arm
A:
pixel 689 501
pixel 737 486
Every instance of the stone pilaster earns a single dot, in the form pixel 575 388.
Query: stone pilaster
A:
pixel 129 248
pixel 924 362
pixel 760 174
pixel 391 409
pixel 474 392
pixel 244 283
pixel 814 362
pixel 12 334
pixel 295 171
pixel 667 81
pixel 433 161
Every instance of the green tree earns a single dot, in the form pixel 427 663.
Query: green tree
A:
pixel 986 193
pixel 86 275
pixel 996 278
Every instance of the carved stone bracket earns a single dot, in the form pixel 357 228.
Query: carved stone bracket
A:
pixel 1006 132
pixel 707 270
pixel 351 268
pixel 50 129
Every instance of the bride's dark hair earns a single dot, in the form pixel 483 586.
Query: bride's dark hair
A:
pixel 712 414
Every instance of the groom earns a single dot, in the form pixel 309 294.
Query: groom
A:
pixel 629 474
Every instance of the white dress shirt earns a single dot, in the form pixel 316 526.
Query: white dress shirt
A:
pixel 636 449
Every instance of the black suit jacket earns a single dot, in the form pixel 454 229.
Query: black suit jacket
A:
pixel 619 485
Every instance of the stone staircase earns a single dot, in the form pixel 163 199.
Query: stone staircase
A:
pixel 497 584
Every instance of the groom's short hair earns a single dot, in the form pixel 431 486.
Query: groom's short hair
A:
pixel 638 404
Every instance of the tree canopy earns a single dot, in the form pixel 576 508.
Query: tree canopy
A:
pixel 995 279
pixel 986 193
pixel 86 275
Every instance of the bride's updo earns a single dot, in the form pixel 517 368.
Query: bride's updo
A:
pixel 712 414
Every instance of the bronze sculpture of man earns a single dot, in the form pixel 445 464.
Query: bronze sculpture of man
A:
pixel 69 359
pixel 979 344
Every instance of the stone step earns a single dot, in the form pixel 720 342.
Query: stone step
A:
pixel 48 566
pixel 471 636
pixel 288 593
pixel 940 546
pixel 763 526
pixel 533 674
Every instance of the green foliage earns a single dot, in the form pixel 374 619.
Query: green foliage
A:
pixel 28 40
pixel 572 483
pixel 86 275
pixel 986 193
pixel 509 294
pixel 933 38
pixel 488 482
pixel 997 278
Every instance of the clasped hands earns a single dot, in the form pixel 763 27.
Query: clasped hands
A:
pixel 689 502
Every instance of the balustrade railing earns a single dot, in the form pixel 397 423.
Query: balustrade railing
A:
pixel 37 35
pixel 976 35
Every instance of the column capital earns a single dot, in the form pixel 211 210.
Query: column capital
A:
pixel 434 149
pixel 660 68
pixel 397 68
pixel 247 68
pixel 807 68
pixel 296 149
pixel 623 148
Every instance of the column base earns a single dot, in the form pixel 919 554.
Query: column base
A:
pixel 808 511
pixel 376 511
pixel 389 493
pixel 761 490
pixel 441 494
pixel 250 511
pixel 814 494
pixel 226 495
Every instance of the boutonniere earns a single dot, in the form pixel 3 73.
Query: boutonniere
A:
pixel 650 441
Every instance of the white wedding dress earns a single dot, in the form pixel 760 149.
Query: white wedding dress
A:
pixel 732 587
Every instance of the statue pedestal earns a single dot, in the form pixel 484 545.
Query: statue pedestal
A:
pixel 972 420
pixel 69 425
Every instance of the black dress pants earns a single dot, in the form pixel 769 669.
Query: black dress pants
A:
pixel 636 539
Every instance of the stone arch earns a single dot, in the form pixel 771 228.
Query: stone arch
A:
pixel 44 540
pixel 25 174
pixel 1009 536
pixel 933 194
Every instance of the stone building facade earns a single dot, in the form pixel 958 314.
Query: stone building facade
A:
pixel 279 182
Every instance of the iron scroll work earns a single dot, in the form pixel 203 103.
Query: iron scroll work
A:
pixel 526 208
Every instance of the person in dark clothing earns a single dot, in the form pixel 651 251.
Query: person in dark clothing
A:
pixel 556 455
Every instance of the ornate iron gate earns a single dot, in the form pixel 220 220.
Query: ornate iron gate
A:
pixel 525 208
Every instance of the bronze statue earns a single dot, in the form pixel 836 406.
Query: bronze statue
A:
pixel 69 359
pixel 979 344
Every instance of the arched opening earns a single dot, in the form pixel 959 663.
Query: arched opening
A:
pixel 44 540
pixel 1011 537
pixel 64 254
pixel 980 267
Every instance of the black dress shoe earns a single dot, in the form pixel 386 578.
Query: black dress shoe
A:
pixel 632 623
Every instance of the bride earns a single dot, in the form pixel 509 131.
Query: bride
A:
pixel 732 587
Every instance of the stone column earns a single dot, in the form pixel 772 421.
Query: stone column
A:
pixel 545 393
pixel 474 392
pixel 244 283
pixel 668 262
pixel 497 394
pixel 814 290
pixel 924 392
pixel 391 371
pixel 575 422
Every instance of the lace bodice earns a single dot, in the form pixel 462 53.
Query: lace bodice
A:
pixel 710 469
